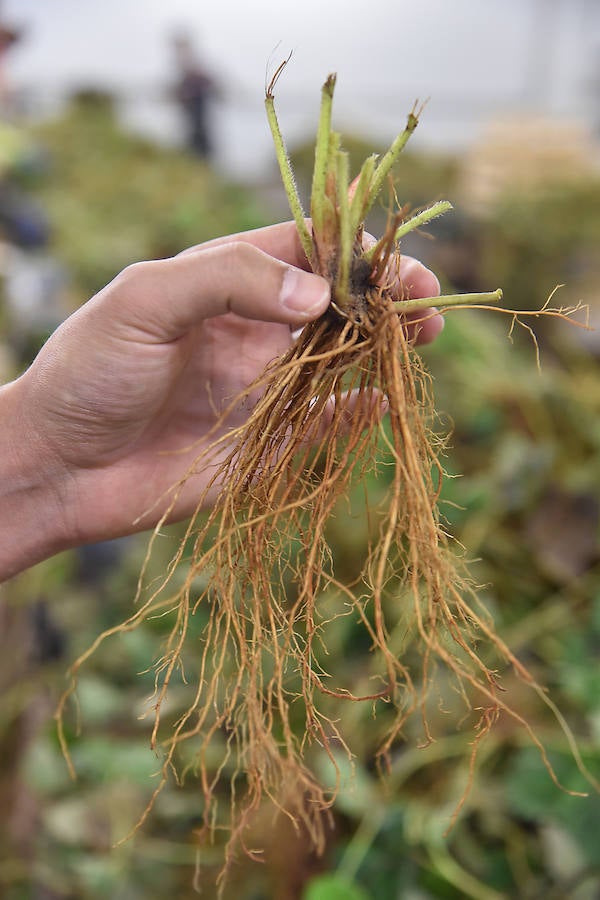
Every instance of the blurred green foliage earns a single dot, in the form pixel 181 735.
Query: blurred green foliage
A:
pixel 115 199
pixel 523 501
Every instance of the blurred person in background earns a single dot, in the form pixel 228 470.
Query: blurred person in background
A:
pixel 8 37
pixel 31 280
pixel 194 91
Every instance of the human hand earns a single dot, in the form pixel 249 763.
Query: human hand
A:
pixel 116 405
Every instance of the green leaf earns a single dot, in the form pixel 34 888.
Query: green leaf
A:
pixel 358 792
pixel 532 794
pixel 333 887
pixel 101 759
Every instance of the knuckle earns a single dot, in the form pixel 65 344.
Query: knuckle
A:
pixel 135 281
pixel 137 273
pixel 132 289
pixel 241 255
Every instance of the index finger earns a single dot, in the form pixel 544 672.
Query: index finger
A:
pixel 280 241
pixel 164 299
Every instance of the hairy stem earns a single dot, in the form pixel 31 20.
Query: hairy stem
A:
pixel 416 221
pixel 422 218
pixel 360 194
pixel 322 154
pixel 346 238
pixel 287 177
pixel 388 160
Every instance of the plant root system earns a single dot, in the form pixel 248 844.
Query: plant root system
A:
pixel 257 565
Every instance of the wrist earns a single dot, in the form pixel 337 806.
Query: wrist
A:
pixel 32 522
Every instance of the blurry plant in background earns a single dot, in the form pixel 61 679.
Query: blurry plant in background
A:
pixel 526 446
pixel 115 198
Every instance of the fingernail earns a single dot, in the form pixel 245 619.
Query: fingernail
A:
pixel 304 293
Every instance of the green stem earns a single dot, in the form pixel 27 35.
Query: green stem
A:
pixel 422 218
pixel 361 193
pixel 388 160
pixel 361 843
pixel 322 154
pixel 346 239
pixel 287 176
pixel 448 300
pixel 467 884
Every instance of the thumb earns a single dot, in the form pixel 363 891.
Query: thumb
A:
pixel 165 298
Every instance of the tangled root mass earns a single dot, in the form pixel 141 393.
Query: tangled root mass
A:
pixel 257 566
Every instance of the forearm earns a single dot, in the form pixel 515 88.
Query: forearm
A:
pixel 32 526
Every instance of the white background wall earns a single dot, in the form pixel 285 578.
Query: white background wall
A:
pixel 474 59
